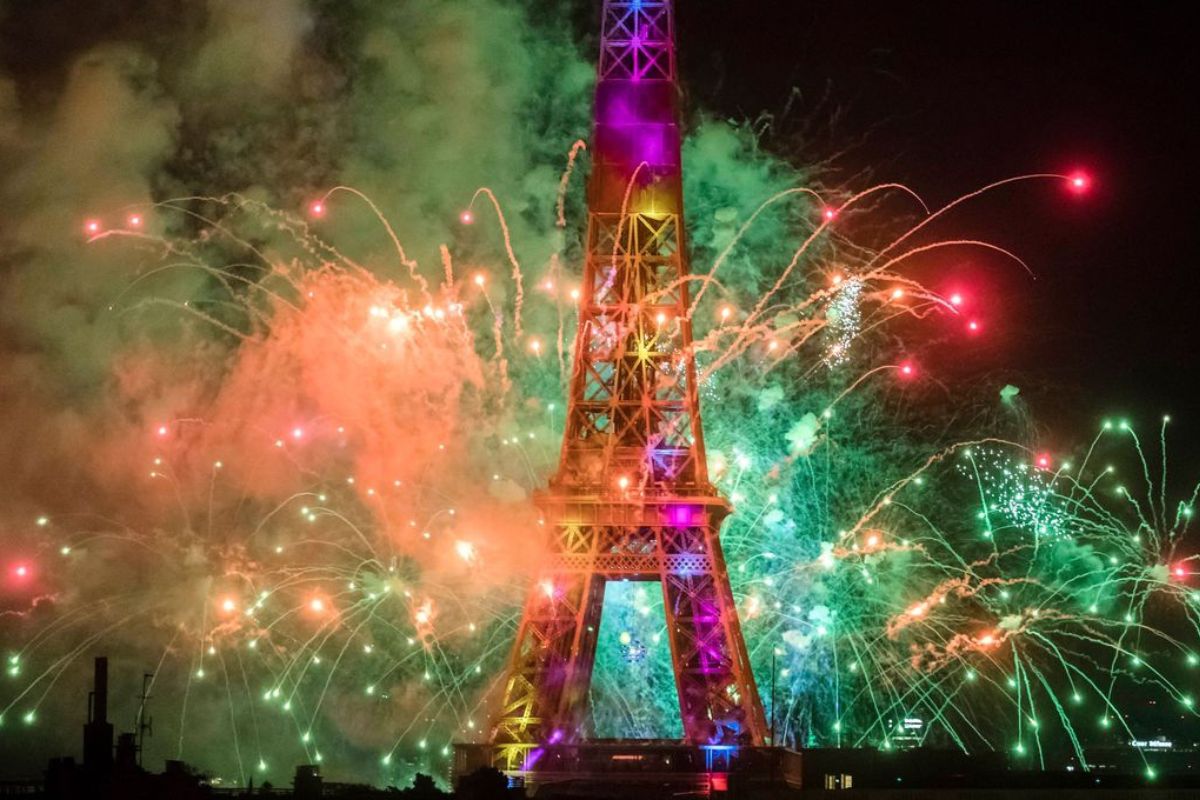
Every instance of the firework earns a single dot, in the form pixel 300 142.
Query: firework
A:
pixel 994 598
pixel 329 532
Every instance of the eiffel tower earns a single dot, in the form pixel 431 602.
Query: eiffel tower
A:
pixel 631 499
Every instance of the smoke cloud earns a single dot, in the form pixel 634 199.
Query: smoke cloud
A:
pixel 160 414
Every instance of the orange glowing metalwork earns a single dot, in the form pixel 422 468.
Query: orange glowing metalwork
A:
pixel 631 499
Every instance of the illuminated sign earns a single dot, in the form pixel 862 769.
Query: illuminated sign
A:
pixel 1161 744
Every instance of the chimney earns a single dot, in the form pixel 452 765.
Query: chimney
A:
pixel 99 710
pixel 98 732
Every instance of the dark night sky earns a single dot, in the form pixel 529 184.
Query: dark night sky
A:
pixel 948 96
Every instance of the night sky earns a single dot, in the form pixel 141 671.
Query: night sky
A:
pixel 948 96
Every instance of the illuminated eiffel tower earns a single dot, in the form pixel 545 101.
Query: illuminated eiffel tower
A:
pixel 631 499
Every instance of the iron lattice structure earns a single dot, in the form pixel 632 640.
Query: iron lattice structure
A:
pixel 631 499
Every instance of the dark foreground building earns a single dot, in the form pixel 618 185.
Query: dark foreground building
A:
pixel 648 770
pixel 111 770
pixel 645 770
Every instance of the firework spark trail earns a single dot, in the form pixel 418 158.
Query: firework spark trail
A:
pixel 872 273
pixel 931 217
pixel 804 246
pixel 410 264
pixel 560 204
pixel 519 299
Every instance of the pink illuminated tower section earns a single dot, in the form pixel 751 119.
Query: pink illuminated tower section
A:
pixel 631 498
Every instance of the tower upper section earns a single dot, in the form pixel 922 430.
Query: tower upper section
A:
pixel 636 113
pixel 633 426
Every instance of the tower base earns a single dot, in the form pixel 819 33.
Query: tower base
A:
pixel 646 769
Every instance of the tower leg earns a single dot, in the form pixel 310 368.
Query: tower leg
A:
pixel 573 705
pixel 545 696
pixel 717 694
